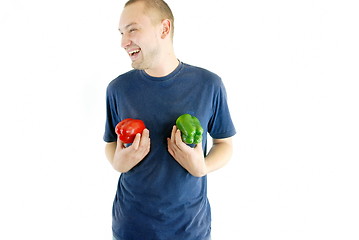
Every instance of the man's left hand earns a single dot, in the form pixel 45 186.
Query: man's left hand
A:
pixel 192 159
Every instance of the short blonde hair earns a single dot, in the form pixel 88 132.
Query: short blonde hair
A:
pixel 162 8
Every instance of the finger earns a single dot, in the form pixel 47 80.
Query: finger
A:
pixel 145 134
pixel 136 141
pixel 169 146
pixel 145 138
pixel 178 138
pixel 120 144
pixel 172 141
pixel 173 148
pixel 173 132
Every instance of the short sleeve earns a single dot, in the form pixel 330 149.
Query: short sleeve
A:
pixel 220 124
pixel 111 117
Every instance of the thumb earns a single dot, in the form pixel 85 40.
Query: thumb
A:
pixel 120 144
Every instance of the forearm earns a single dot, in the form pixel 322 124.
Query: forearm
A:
pixel 219 154
pixel 119 164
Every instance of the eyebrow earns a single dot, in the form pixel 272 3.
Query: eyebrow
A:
pixel 128 25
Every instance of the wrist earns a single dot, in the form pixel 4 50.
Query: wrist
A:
pixel 202 170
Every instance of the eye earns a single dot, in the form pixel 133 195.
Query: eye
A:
pixel 133 30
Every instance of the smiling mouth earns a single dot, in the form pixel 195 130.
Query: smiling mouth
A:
pixel 134 52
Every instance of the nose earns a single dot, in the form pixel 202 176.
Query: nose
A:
pixel 125 41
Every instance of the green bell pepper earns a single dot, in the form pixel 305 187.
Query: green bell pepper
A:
pixel 190 128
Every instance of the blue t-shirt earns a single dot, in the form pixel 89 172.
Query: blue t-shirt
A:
pixel 158 199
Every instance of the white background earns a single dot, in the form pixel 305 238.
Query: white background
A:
pixel 291 72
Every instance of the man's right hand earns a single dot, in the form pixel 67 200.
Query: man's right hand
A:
pixel 125 158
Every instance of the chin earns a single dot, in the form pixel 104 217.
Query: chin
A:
pixel 139 66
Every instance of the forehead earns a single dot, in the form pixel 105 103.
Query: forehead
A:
pixel 133 14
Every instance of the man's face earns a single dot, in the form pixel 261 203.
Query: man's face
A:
pixel 139 36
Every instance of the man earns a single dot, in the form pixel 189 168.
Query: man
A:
pixel 162 190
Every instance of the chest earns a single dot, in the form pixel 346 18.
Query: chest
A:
pixel 159 105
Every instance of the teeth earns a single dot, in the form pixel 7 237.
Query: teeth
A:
pixel 133 52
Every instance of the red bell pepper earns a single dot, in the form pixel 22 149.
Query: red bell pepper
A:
pixel 128 128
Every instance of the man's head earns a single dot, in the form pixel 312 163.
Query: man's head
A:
pixel 147 31
pixel 158 10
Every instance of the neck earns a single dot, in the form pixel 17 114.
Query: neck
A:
pixel 165 66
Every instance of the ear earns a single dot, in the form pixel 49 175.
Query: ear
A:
pixel 166 28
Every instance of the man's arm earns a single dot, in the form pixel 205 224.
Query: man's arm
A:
pixel 124 158
pixel 192 159
pixel 220 154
